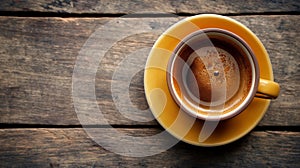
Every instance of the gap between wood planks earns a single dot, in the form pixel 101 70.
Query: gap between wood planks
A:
pixel 146 15
pixel 13 126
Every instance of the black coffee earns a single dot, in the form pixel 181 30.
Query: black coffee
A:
pixel 212 71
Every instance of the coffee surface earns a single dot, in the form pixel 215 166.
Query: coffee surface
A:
pixel 212 74
pixel 215 73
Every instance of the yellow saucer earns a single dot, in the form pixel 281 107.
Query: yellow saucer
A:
pixel 164 107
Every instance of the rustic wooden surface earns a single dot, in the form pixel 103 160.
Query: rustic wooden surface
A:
pixel 157 6
pixel 72 147
pixel 39 44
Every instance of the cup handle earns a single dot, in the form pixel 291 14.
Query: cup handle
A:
pixel 267 89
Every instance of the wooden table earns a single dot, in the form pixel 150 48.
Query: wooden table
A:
pixel 39 44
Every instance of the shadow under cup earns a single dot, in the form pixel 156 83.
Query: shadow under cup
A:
pixel 212 74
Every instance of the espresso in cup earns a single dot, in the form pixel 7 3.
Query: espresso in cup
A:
pixel 213 74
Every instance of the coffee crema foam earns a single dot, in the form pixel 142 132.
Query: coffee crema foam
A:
pixel 215 73
pixel 213 78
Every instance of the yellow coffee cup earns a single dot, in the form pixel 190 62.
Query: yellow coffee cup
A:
pixel 213 75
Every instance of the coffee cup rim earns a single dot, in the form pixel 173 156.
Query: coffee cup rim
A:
pixel 254 84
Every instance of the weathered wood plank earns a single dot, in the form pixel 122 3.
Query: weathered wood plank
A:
pixel 73 148
pixel 37 57
pixel 168 6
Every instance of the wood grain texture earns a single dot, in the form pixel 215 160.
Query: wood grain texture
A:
pixel 73 148
pixel 157 6
pixel 37 58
